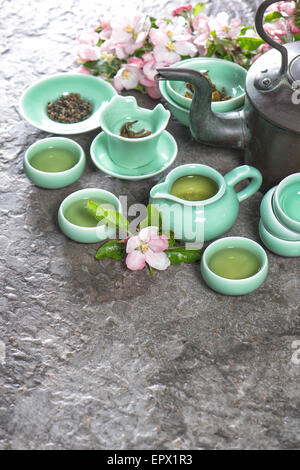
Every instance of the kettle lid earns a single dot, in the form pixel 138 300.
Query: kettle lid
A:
pixel 273 81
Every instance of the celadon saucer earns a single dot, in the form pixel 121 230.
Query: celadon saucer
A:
pixel 34 100
pixel 166 155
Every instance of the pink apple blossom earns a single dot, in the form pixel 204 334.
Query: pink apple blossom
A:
pixel 87 52
pixel 84 71
pixel 154 92
pixel 129 31
pixel 287 8
pixel 201 30
pixel 136 61
pixel 293 28
pixel 180 10
pixel 147 247
pixel 88 37
pixel 277 29
pixel 225 28
pixel 106 29
pixel 127 77
pixel 150 66
pixel 171 41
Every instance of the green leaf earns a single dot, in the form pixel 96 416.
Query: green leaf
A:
pixel 171 239
pixel 141 88
pixel 111 217
pixel 112 249
pixel 198 8
pixel 153 22
pixel 272 17
pixel 244 29
pixel 91 64
pixel 181 255
pixel 154 218
pixel 249 44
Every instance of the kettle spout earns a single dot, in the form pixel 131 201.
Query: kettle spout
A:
pixel 218 129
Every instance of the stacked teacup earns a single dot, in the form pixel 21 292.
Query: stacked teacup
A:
pixel 279 226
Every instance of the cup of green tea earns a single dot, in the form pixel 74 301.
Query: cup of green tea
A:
pixel 286 202
pixel 54 162
pixel 234 266
pixel 132 132
pixel 77 223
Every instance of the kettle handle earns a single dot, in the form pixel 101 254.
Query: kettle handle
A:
pixel 240 174
pixel 259 25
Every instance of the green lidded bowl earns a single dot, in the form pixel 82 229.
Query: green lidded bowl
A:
pixel 57 179
pixel 234 286
pixel 34 100
pixel 289 249
pixel 88 234
pixel 223 73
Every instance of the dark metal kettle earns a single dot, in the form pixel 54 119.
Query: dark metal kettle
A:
pixel 268 127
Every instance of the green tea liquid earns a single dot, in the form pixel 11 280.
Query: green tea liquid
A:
pixel 54 160
pixel 234 263
pixel 77 213
pixel 290 201
pixel 194 188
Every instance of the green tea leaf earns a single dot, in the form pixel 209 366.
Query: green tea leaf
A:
pixel 272 17
pixel 181 255
pixel 154 218
pixel 198 8
pixel 249 44
pixel 112 249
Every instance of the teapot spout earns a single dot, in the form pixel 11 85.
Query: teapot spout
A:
pixel 218 129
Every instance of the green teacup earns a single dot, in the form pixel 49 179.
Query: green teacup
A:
pixel 272 223
pixel 202 220
pixel 54 162
pixel 286 248
pixel 252 275
pixel 77 200
pixel 286 202
pixel 132 152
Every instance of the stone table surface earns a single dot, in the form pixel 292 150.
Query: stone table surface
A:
pixel 93 356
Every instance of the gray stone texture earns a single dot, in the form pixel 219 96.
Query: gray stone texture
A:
pixel 93 356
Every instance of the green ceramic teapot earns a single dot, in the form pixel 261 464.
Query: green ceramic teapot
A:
pixel 198 221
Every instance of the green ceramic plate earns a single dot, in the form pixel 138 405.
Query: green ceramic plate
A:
pixel 166 155
pixel 33 103
pixel 223 73
pixel 277 245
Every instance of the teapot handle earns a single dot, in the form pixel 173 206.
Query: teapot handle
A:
pixel 240 174
pixel 259 25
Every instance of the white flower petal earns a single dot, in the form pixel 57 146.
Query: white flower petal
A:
pixel 147 233
pixel 158 261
